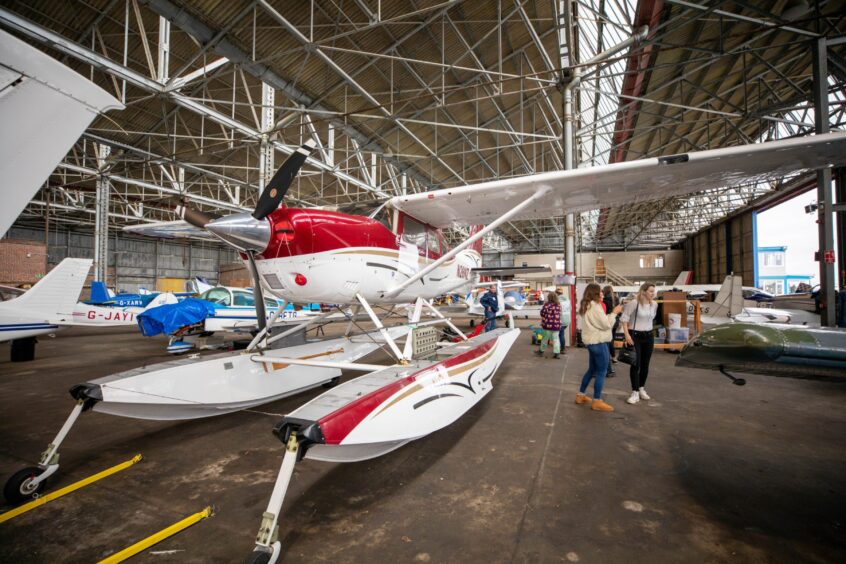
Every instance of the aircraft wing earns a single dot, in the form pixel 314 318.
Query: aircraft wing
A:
pixel 584 189
pixel 178 229
pixel 505 270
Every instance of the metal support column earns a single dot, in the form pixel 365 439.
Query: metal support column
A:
pixel 840 185
pixel 101 227
pixel 164 50
pixel 266 170
pixel 825 196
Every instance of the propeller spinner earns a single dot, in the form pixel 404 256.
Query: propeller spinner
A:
pixel 251 231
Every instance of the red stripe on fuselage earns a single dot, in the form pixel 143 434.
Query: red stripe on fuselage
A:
pixel 338 424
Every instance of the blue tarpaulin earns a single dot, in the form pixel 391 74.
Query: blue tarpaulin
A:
pixel 170 318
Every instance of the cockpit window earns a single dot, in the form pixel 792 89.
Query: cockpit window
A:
pixel 243 298
pixel 414 232
pixel 217 296
pixel 384 216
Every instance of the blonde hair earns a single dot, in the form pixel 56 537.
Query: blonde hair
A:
pixel 591 295
pixel 641 293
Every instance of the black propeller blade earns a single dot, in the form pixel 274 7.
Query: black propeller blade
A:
pixel 258 295
pixel 281 181
pixel 195 217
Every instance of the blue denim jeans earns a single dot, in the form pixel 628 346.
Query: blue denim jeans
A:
pixel 490 323
pixel 561 337
pixel 598 359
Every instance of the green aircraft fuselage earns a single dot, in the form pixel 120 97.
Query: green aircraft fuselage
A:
pixel 772 349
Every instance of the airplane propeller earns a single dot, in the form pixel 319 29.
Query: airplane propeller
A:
pixel 195 217
pixel 250 233
pixel 281 181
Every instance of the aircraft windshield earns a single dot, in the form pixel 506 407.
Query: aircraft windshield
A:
pixel 217 296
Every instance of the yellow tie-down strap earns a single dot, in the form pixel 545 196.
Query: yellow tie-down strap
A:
pixel 68 489
pixel 140 546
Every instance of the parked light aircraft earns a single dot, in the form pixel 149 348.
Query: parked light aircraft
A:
pixel 315 255
pixel 769 349
pixel 46 308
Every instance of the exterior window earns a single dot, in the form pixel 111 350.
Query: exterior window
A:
pixel 217 296
pixel 774 259
pixel 559 264
pixel 652 261
pixel 243 298
pixel 413 232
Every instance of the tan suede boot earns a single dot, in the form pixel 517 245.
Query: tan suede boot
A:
pixel 599 405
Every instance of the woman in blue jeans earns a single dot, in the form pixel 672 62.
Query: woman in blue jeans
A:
pixel 596 334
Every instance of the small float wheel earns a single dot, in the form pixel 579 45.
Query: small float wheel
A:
pixel 258 557
pixel 20 487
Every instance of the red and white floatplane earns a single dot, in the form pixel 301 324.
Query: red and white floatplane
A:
pixel 396 255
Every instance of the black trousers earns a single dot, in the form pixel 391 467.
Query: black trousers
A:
pixel 611 350
pixel 644 344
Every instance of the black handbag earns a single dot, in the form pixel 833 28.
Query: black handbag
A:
pixel 627 355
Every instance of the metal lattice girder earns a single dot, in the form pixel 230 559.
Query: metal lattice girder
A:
pixel 405 97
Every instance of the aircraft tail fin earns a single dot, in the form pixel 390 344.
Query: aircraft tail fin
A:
pixel 99 292
pixel 57 293
pixel 684 278
pixel 477 246
pixel 729 300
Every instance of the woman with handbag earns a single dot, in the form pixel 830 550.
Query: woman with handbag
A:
pixel 550 315
pixel 596 333
pixel 637 320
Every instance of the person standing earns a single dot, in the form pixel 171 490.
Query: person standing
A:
pixel 637 320
pixel 610 299
pixel 565 319
pixel 596 333
pixel 550 315
pixel 489 302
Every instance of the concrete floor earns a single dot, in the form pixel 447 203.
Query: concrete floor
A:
pixel 706 471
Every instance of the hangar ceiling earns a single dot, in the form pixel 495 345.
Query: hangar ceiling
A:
pixel 422 95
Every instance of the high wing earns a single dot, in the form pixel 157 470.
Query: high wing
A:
pixel 584 189
pixel 44 108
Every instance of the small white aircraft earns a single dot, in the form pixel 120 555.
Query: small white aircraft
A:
pixel 47 307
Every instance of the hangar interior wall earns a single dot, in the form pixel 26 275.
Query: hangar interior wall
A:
pixel 721 249
pixel 133 262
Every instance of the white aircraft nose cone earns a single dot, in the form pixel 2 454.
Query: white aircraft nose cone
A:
pixel 242 231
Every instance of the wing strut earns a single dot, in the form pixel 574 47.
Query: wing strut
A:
pixel 484 231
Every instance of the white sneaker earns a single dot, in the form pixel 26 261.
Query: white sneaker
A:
pixel 634 398
pixel 644 395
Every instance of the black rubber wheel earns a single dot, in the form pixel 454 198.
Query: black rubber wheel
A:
pixel 23 350
pixel 18 488
pixel 258 557
pixel 332 383
pixel 472 323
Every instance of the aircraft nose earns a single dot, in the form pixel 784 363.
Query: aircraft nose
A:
pixel 242 231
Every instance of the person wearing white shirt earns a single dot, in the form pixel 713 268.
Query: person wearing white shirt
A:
pixel 637 320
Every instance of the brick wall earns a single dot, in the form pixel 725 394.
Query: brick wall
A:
pixel 22 262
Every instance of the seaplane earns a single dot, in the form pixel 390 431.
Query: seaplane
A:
pixel 396 255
